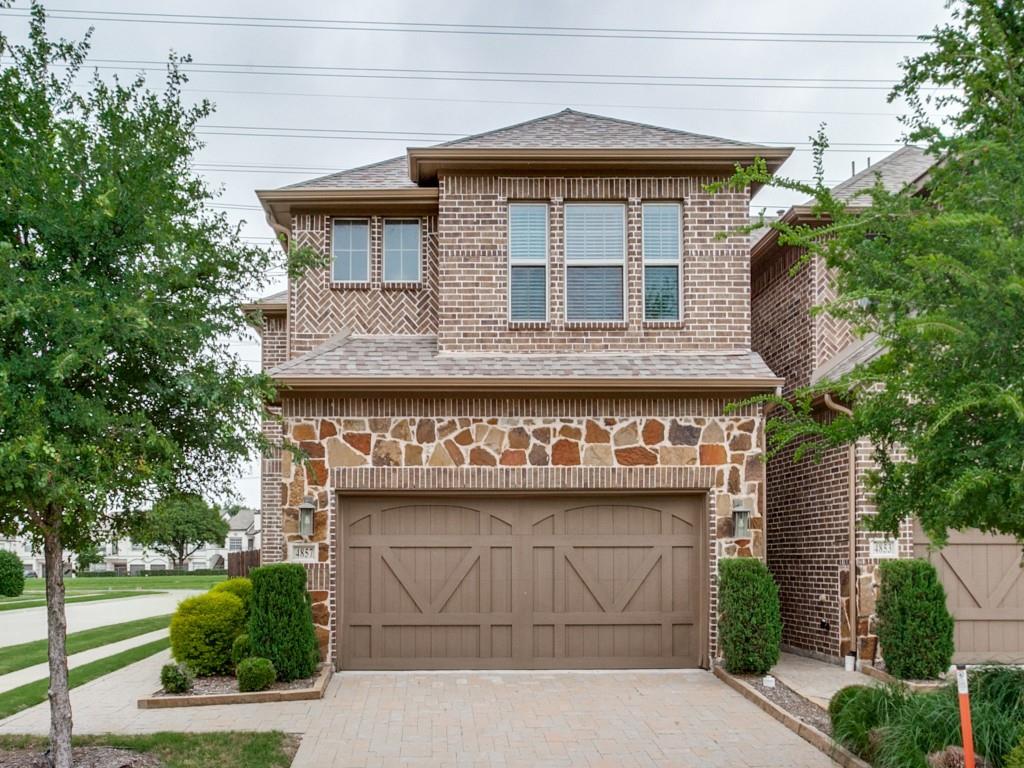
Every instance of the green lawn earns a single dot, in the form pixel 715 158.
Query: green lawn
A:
pixel 30 694
pixel 15 657
pixel 99 584
pixel 188 750
pixel 17 604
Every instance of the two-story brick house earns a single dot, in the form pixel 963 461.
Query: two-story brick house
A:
pixel 817 517
pixel 512 381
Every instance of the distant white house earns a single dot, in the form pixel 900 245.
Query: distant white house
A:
pixel 32 560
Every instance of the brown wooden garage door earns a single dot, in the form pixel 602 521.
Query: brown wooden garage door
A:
pixel 984 591
pixel 526 582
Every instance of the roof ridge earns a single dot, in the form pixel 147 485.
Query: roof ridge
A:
pixel 503 128
pixel 680 131
pixel 340 339
pixel 888 158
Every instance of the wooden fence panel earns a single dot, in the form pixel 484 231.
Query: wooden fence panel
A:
pixel 240 563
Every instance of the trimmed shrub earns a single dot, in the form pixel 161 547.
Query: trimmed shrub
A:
pixel 241 648
pixel 1016 758
pixel 240 587
pixel 255 674
pixel 750 623
pixel 858 711
pixel 203 630
pixel 176 678
pixel 914 628
pixel 281 620
pixel 12 574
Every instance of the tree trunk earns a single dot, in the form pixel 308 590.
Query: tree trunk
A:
pixel 56 630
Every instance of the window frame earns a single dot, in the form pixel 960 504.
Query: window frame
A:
pixel 369 251
pixel 384 251
pixel 677 262
pixel 623 263
pixel 530 263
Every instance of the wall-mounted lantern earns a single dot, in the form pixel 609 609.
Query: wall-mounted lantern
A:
pixel 740 520
pixel 306 510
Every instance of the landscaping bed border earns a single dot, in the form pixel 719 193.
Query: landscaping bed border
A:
pixel 914 686
pixel 808 733
pixel 316 691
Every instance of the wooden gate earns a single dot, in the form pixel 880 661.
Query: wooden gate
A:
pixel 984 585
pixel 522 582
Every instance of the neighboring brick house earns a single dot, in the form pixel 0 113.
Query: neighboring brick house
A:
pixel 809 503
pixel 512 381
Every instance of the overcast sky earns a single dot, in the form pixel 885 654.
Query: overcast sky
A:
pixel 763 83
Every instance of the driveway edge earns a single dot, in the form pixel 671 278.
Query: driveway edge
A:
pixel 316 691
pixel 808 733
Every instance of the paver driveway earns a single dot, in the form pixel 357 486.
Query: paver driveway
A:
pixel 656 718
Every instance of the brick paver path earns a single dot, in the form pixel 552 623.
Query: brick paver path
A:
pixel 621 719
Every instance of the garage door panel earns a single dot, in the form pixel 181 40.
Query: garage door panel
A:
pixel 539 582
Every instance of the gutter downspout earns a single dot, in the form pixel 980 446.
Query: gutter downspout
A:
pixel 851 526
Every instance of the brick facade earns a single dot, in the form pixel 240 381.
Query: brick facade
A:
pixel 807 510
pixel 496 443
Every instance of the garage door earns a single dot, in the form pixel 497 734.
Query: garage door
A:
pixel 984 591
pixel 521 582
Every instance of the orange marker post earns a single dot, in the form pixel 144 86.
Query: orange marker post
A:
pixel 965 715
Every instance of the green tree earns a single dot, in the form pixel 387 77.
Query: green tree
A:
pixel 938 275
pixel 118 287
pixel 179 525
pixel 87 556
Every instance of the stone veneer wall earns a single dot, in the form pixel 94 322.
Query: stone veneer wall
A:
pixel 394 444
pixel 473 266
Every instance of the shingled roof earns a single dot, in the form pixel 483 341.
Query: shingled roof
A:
pixel 568 129
pixel 394 362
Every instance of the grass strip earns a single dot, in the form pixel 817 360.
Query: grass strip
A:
pixel 17 606
pixel 103 583
pixel 15 657
pixel 30 694
pixel 272 749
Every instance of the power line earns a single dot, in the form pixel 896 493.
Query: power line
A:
pixel 504 30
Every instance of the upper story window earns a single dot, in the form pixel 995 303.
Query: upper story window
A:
pixel 528 262
pixel 661 261
pixel 350 248
pixel 401 250
pixel 595 261
pixel 235 544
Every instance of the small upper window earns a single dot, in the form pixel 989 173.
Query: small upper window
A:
pixel 234 544
pixel 401 251
pixel 661 261
pixel 595 261
pixel 528 261
pixel 351 251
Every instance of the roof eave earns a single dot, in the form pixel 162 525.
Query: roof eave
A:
pixel 425 162
pixel 531 384
pixel 267 309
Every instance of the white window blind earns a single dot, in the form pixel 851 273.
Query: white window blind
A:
pixel 401 251
pixel 351 251
pixel 595 255
pixel 528 261
pixel 661 234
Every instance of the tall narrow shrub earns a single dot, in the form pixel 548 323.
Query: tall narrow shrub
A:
pixel 281 620
pixel 12 574
pixel 915 629
pixel 750 621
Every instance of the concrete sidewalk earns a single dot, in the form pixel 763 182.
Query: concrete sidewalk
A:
pixel 42 671
pixel 816 680
pixel 27 624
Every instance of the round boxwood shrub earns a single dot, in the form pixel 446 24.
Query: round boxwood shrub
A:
pixel 750 622
pixel 12 574
pixel 915 630
pixel 281 620
pixel 176 678
pixel 203 630
pixel 241 648
pixel 240 587
pixel 255 674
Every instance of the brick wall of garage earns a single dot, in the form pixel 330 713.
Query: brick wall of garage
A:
pixel 515 443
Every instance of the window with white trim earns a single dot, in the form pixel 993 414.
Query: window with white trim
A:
pixel 528 262
pixel 235 544
pixel 661 261
pixel 350 250
pixel 401 250
pixel 595 261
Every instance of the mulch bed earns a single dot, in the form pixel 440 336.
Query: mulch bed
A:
pixel 785 697
pixel 83 757
pixel 226 684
